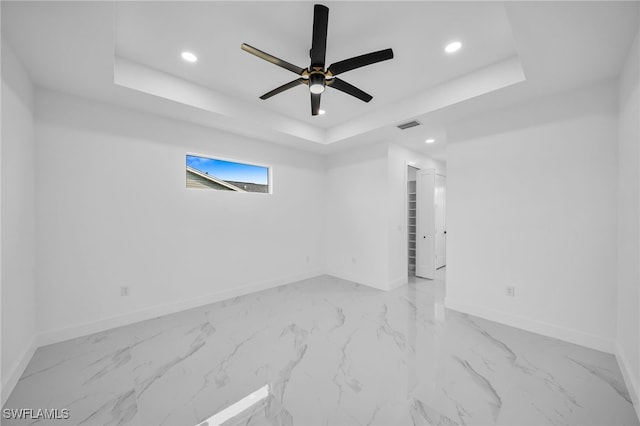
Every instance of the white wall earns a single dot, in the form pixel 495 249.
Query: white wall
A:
pixel 113 211
pixel 366 213
pixel 532 194
pixel 628 332
pixel 18 226
pixel 398 157
pixel 356 210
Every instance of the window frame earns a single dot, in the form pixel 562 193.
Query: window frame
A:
pixel 230 160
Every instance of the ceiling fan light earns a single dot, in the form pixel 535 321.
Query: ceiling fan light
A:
pixel 316 83
pixel 316 88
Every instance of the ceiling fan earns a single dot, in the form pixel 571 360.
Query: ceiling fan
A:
pixel 316 76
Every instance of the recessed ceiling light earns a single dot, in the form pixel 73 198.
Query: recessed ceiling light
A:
pixel 189 57
pixel 321 112
pixel 454 46
pixel 430 141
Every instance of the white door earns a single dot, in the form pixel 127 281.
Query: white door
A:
pixel 441 229
pixel 425 230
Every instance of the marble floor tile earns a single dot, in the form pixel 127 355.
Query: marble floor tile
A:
pixel 324 351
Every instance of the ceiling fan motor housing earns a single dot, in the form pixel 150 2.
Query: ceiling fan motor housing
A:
pixel 316 82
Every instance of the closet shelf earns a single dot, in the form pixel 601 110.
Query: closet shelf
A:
pixel 411 224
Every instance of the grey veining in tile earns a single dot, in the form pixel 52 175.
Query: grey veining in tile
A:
pixel 329 352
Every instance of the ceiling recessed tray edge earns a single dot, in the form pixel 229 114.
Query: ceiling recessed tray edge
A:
pixel 241 112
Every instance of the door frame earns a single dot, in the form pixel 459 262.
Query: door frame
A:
pixel 443 206
pixel 420 166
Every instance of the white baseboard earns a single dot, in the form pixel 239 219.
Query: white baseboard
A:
pixel 551 330
pixel 632 384
pixel 15 372
pixel 391 285
pixel 356 280
pixel 78 330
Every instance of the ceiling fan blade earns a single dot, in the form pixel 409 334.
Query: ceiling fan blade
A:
pixel 315 103
pixel 319 40
pixel 345 87
pixel 284 87
pixel 360 61
pixel 270 58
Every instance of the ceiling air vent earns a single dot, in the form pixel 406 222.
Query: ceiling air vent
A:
pixel 408 125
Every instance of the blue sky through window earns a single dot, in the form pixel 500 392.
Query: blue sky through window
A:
pixel 228 170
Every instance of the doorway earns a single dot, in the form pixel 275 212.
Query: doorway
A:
pixel 426 221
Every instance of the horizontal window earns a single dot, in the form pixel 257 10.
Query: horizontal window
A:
pixel 224 175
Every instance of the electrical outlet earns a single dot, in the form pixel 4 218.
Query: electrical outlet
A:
pixel 510 291
pixel 308 259
pixel 353 260
pixel 124 291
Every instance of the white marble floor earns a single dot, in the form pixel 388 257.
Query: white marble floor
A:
pixel 325 351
